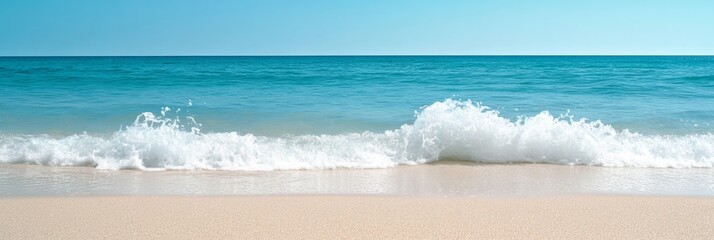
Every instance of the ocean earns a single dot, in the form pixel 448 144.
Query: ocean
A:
pixel 249 115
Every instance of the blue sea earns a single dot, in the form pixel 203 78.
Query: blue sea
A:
pixel 334 112
pixel 405 125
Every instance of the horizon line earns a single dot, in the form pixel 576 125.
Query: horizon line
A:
pixel 376 55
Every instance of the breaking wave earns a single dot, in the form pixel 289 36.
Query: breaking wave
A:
pixel 450 129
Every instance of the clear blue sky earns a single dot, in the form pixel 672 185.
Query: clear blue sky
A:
pixel 289 27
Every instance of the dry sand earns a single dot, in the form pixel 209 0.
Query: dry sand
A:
pixel 330 217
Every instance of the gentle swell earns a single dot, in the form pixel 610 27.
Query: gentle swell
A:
pixel 444 130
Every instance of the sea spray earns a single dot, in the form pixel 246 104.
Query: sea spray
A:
pixel 449 129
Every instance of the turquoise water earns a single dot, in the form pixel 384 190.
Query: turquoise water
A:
pixel 265 113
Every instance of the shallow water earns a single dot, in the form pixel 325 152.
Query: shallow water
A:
pixel 442 179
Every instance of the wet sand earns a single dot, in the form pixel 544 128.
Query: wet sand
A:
pixel 356 216
pixel 444 178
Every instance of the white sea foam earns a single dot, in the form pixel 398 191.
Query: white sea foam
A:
pixel 449 129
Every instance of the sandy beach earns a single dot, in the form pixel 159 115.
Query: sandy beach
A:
pixel 329 217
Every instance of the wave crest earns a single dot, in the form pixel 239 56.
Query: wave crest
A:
pixel 449 129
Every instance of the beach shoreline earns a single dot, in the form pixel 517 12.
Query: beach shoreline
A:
pixel 356 216
pixel 444 178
